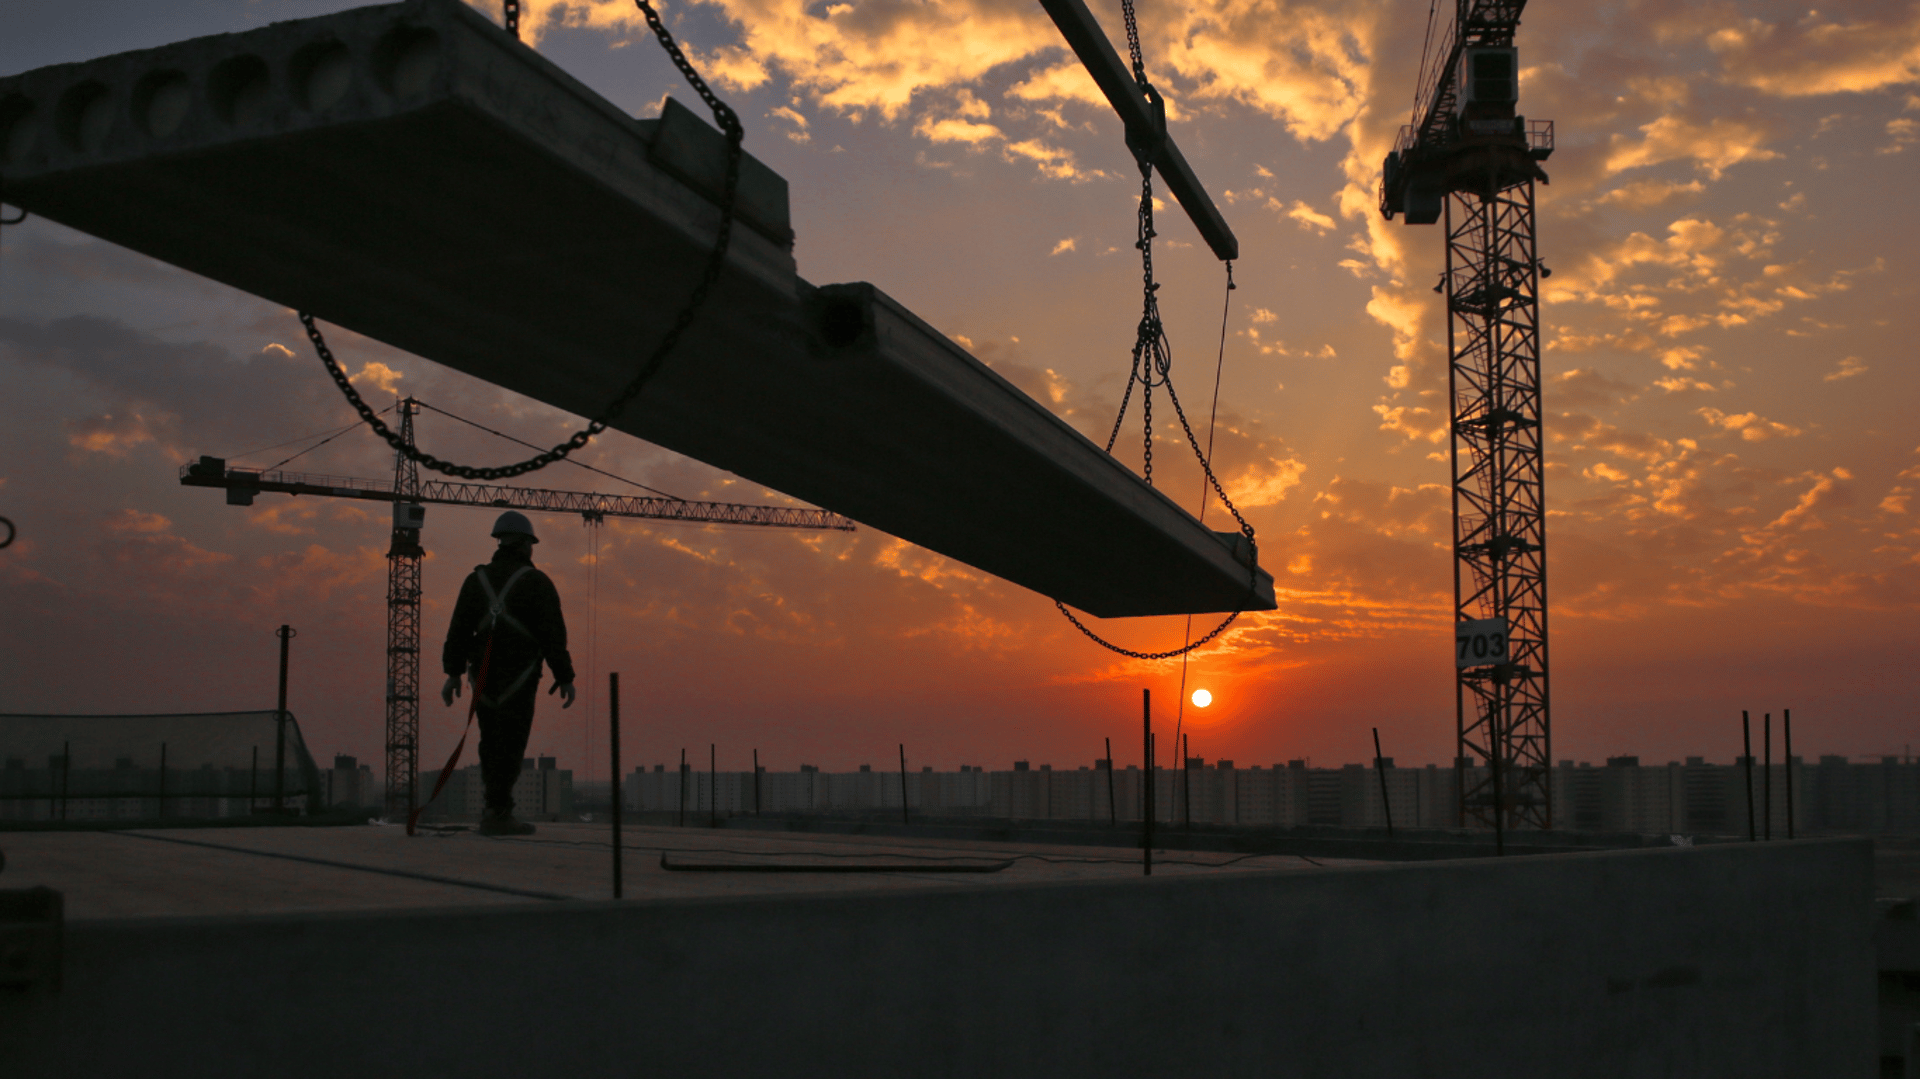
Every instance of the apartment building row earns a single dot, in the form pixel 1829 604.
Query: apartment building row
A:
pixel 543 792
pixel 1690 797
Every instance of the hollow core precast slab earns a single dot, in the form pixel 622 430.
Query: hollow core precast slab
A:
pixel 413 173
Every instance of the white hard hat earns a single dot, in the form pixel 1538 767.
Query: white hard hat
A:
pixel 514 522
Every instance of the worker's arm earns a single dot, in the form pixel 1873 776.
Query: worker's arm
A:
pixel 457 653
pixel 549 628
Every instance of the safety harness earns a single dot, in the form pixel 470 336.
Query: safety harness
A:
pixel 496 614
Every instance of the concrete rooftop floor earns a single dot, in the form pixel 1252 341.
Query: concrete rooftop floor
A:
pixel 229 871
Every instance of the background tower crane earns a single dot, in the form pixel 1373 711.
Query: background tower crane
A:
pixel 1468 157
pixel 409 497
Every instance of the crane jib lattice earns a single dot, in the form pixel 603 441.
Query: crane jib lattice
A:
pixel 211 472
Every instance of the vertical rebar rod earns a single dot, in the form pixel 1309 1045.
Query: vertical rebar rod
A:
pixel 285 633
pixel 1146 780
pixel 66 776
pixel 613 753
pixel 713 786
pixel 756 781
pixel 1186 781
pixel 253 784
pixel 903 784
pixel 1494 744
pixel 1113 805
pixel 1746 742
pixel 160 807
pixel 1380 767
pixel 1766 777
pixel 683 787
pixel 1786 734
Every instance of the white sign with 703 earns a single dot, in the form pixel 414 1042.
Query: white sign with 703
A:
pixel 1480 642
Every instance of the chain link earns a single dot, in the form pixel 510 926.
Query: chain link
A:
pixel 1153 365
pixel 511 16
pixel 716 263
pixel 1133 44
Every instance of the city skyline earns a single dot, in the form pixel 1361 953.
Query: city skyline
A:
pixel 1731 453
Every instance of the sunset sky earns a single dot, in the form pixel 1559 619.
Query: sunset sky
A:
pixel 1729 334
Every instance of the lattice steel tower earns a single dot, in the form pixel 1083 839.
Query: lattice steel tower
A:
pixel 403 628
pixel 1470 158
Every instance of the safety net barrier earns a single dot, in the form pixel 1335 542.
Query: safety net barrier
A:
pixel 195 764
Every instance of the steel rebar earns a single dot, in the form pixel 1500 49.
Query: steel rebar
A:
pixel 1786 734
pixel 613 751
pixel 903 784
pixel 1746 741
pixel 1380 767
pixel 1113 806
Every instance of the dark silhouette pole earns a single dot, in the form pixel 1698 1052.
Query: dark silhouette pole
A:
pixel 613 741
pixel 683 786
pixel 1746 740
pixel 1380 767
pixel 903 784
pixel 1146 780
pixel 1766 777
pixel 756 781
pixel 713 785
pixel 1186 781
pixel 285 633
pixel 1113 807
pixel 1786 733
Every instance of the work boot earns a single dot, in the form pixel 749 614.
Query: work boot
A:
pixel 503 822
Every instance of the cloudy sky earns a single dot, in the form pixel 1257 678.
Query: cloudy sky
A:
pixel 1729 355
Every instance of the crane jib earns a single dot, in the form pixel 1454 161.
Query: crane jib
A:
pixel 242 484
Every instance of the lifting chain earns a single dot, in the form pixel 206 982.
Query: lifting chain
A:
pixel 511 17
pixel 716 263
pixel 1153 366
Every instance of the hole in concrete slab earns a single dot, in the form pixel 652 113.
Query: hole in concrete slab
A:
pixel 407 60
pixel 18 127
pixel 321 74
pixel 842 322
pixel 84 115
pixel 161 101
pixel 241 90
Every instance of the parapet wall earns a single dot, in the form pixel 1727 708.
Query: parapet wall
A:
pixel 1744 960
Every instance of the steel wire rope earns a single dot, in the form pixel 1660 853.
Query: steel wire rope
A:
pixel 303 438
pixel 322 442
pixel 531 446
pixel 1153 365
pixel 1426 46
pixel 1213 415
pixel 729 123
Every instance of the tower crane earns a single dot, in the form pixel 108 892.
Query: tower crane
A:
pixel 1469 158
pixel 409 497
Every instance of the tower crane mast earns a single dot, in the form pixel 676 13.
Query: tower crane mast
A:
pixel 409 497
pixel 1469 159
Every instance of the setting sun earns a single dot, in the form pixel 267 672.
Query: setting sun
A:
pixel 1201 698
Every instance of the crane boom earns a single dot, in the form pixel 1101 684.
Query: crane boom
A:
pixel 242 484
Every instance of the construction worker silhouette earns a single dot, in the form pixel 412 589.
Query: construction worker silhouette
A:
pixel 506 622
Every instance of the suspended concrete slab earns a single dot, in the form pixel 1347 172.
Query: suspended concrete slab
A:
pixel 412 172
